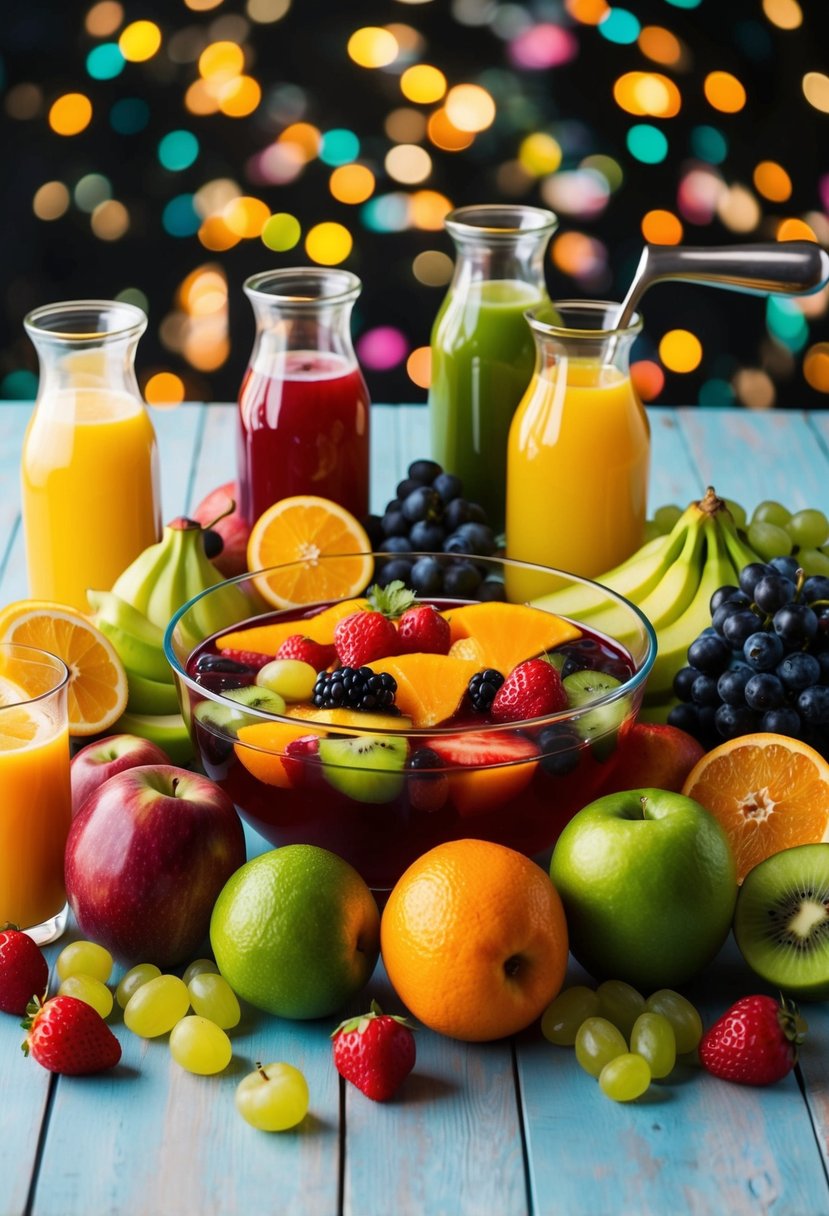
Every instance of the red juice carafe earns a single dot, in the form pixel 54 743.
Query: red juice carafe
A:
pixel 303 423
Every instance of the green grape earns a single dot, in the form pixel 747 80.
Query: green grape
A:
pixel 620 1004
pixel 771 512
pixel 199 1045
pixel 132 980
pixel 597 1042
pixel 273 1098
pixel 686 1022
pixel 212 997
pixel 738 512
pixel 653 1038
pixel 90 990
pixel 289 678
pixel 84 958
pixel 768 540
pixel 156 1006
pixel 666 516
pixel 651 531
pixel 563 1017
pixel 808 528
pixel 813 561
pixel 625 1078
pixel 200 966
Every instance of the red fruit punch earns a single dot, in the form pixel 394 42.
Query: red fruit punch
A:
pixel 754 1043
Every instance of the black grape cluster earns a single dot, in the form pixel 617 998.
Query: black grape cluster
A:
pixel 763 663
pixel 430 515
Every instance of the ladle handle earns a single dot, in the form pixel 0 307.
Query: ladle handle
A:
pixel 790 267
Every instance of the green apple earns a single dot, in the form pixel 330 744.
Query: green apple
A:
pixel 648 883
pixel 296 932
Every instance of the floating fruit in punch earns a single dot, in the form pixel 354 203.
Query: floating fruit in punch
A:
pixel 296 932
pixel 509 633
pixel 474 940
pixel 293 534
pixel 781 922
pixel 767 791
pixel 430 687
pixel 269 639
pixel 648 883
pixel 486 769
pixel 367 768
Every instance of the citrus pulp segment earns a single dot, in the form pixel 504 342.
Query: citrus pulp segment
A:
pixel 509 633
pixel 293 535
pixel 430 687
pixel 266 639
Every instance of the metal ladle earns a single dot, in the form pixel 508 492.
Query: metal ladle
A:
pixel 785 267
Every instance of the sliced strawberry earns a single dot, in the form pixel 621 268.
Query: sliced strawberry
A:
pixel 499 764
pixel 316 654
pixel 297 754
pixel 250 658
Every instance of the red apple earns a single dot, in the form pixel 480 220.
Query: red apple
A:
pixel 232 528
pixel 656 756
pixel 146 856
pixel 97 762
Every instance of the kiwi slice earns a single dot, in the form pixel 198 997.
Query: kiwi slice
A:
pixel 226 719
pixel 781 921
pixel 600 726
pixel 365 768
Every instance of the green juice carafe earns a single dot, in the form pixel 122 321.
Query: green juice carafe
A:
pixel 482 347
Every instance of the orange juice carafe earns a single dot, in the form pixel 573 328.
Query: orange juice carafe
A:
pixel 89 470
pixel 579 445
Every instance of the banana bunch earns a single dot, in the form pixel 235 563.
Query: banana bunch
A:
pixel 671 580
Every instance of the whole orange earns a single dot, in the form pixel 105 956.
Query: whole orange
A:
pixel 474 940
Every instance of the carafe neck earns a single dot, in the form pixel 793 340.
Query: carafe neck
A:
pixel 500 242
pixel 86 345
pixel 306 309
pixel 582 330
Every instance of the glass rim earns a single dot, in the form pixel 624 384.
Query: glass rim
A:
pixel 50 320
pixel 261 287
pixel 461 222
pixel 534 318
pixel 34 654
pixel 568 714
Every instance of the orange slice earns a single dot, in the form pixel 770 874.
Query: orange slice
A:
pixel 294 534
pixel 430 687
pixel 266 639
pixel 769 792
pixel 261 749
pixel 509 633
pixel 97 693
pixel 349 719
pixel 22 725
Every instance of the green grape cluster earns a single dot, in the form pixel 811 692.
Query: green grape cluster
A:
pixel 771 531
pixel 622 1039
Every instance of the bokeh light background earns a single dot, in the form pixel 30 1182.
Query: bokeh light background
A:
pixel 160 151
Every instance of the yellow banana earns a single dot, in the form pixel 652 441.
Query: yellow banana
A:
pixel 675 638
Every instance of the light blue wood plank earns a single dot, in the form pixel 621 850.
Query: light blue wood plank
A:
pixel 179 432
pixel 14 417
pixel 215 458
pixel 674 476
pixel 814 1071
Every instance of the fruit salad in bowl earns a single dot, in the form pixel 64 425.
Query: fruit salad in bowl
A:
pixel 378 724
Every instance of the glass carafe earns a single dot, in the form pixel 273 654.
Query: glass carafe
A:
pixel 482 349
pixel 89 470
pixel 303 424
pixel 579 445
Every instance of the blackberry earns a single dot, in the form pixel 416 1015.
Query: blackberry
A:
pixel 483 687
pixel 355 688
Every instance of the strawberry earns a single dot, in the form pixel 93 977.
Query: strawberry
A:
pixel 375 1052
pixel 422 630
pixel 484 748
pixel 317 654
pixel 532 689
pixel 754 1043
pixel 250 658
pixel 68 1036
pixel 364 636
pixel 24 972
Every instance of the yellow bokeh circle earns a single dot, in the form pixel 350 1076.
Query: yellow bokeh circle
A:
pixel 680 350
pixel 70 114
pixel 724 92
pixel 352 183
pixel 372 47
pixel 139 41
pixel 221 59
pixel 423 83
pixel 539 153
pixel 469 107
pixel 328 243
pixel 164 388
pixel 281 232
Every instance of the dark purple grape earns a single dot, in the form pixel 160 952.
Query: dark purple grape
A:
pixel 448 486
pixel 813 705
pixel 405 487
pixel 738 628
pixel 782 721
pixel 394 523
pixel 823 659
pixel 213 542
pixel 732 684
pixel 422 503
pixel 704 690
pixel 683 680
pixel 373 525
pixel 560 749
pixel 731 721
pixel 426 577
pixel 493 589
pixel 722 594
pixel 471 538
pixel 398 544
pixel 461 579
pixel 709 653
pixel 424 470
pixel 397 568
pixel 685 717
pixel 426 534
pixel 815 587
pixel 221 663
pixel 456 513
pixel 787 566
pixel 763 651
pixel 477 514
pixel 750 576
pixel 796 625
pixel 764 691
pixel 799 670
pixel 773 591
pixel 728 609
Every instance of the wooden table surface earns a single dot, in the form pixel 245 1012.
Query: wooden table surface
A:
pixel 503 1129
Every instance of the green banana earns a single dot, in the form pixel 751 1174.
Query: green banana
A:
pixel 675 638
pixel 150 696
pixel 167 730
pixel 740 552
pixel 137 640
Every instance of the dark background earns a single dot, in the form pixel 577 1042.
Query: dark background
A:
pixel 46 45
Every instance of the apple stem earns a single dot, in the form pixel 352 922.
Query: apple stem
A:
pixel 175 785
pixel 229 509
pixel 644 802
pixel 261 1070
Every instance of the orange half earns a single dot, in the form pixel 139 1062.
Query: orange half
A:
pixel 769 792
pixel 266 639
pixel 294 534
pixel 261 749
pixel 430 687
pixel 507 634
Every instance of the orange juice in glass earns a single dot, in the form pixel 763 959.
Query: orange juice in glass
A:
pixel 36 806
pixel 89 470
pixel 579 447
